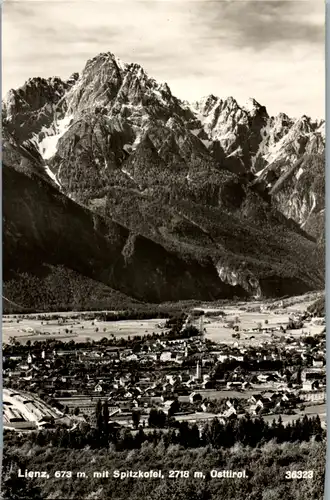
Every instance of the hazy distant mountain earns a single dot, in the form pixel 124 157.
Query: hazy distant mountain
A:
pixel 219 199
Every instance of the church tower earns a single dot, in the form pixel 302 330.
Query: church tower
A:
pixel 199 370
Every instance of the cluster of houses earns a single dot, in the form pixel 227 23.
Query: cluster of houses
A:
pixel 273 402
pixel 170 375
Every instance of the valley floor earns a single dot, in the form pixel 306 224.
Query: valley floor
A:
pixel 250 315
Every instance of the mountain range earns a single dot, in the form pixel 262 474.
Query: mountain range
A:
pixel 116 184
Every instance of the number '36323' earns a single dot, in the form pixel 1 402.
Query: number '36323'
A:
pixel 299 474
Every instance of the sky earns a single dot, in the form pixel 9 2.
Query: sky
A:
pixel 270 50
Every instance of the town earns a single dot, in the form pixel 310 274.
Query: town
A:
pixel 273 365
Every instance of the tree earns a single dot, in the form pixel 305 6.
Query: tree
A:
pixel 126 441
pixel 213 433
pixel 136 417
pixel 139 438
pixel 106 416
pixel 299 380
pixel 157 418
pixel 14 487
pixel 280 430
pixel 194 440
pixel 184 434
pixel 190 331
pixel 99 416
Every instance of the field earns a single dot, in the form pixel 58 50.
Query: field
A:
pixel 77 330
pixel 229 393
pixel 248 317
pixel 310 411
pixel 216 329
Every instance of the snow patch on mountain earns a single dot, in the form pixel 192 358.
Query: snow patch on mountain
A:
pixel 121 65
pixel 48 145
pixel 196 131
pixel 299 173
pixel 207 143
pixel 236 152
pixel 137 140
pixel 313 197
pixel 264 134
pixel 52 176
pixel 160 97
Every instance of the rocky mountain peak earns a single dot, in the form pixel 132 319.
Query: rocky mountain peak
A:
pixel 282 117
pixel 103 60
pixel 205 104
pixel 254 108
pixel 33 106
pixel 281 120
pixel 303 125
pixel 321 129
pixel 72 79
pixel 33 95
pixel 114 112
pixel 230 102
pixel 120 89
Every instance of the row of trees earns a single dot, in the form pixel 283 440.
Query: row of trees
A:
pixel 245 430
pixel 217 435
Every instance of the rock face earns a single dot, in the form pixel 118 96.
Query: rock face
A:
pixel 281 152
pixel 43 225
pixel 237 194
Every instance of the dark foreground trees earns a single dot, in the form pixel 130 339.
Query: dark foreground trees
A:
pixel 14 487
pixel 265 466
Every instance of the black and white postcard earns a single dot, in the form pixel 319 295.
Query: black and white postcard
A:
pixel 163 177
